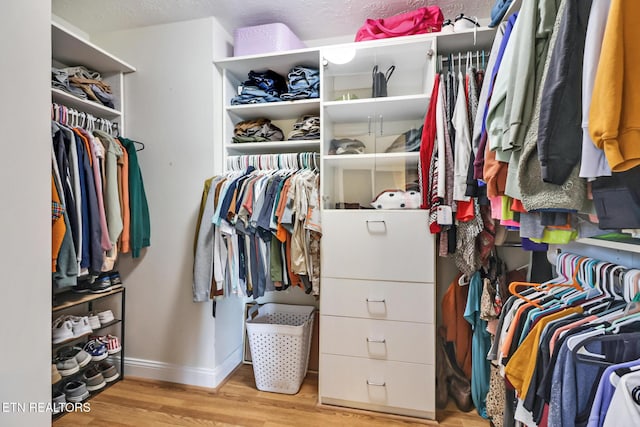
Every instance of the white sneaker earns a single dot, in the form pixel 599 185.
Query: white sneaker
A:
pixel 105 317
pixel 94 321
pixel 62 330
pixel 80 326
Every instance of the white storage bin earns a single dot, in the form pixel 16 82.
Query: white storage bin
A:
pixel 265 38
pixel 280 340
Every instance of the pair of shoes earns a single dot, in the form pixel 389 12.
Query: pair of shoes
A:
pixel 93 379
pixel 105 317
pixel 458 385
pixel 68 327
pixel 66 365
pixel 55 375
pixel 83 285
pixel 108 371
pixel 97 350
pixel 111 341
pixel 106 282
pixel 75 391
pixel 116 281
pixel 81 357
pixel 94 321
pixel 102 284
pixel 58 402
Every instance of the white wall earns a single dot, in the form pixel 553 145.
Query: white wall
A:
pixel 25 191
pixel 172 105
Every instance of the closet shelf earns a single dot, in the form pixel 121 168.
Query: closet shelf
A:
pixel 276 110
pixel 407 107
pixel 70 340
pixel 72 50
pixel 379 161
pixel 280 62
pixel 294 146
pixel 61 97
pixel 627 245
pixel 69 299
pixel 466 40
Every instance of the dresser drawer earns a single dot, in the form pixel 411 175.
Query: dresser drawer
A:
pixel 378 245
pixel 377 339
pixel 408 302
pixel 396 387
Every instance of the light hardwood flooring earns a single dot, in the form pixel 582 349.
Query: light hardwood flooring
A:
pixel 140 403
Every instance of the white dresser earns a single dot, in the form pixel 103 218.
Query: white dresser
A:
pixel 377 308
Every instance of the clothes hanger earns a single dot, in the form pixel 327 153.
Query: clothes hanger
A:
pixel 567 270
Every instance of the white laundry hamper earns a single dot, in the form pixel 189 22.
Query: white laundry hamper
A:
pixel 280 340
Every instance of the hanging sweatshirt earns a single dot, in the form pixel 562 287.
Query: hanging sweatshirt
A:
pixel 514 91
pixel 614 119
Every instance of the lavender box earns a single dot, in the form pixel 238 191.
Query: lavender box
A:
pixel 264 39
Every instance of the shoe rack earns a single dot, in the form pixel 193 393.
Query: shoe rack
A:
pixel 82 305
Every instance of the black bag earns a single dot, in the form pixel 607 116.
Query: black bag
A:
pixel 379 87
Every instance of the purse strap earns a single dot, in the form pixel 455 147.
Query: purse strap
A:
pixel 389 72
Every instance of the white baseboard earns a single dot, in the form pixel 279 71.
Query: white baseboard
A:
pixel 162 371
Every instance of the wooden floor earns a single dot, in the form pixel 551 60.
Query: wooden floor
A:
pixel 140 403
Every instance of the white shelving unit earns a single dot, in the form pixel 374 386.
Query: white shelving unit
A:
pixel 377 333
pixel 69 50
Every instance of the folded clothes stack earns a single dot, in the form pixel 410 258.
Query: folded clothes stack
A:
pixel 82 83
pixel 346 146
pixel 307 127
pixel 407 142
pixel 268 86
pixel 256 130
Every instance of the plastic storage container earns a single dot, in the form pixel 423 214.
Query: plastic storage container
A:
pixel 264 39
pixel 280 340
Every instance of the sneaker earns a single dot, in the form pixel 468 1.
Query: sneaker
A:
pixel 94 379
pixel 116 281
pixel 106 317
pixel 94 321
pixel 97 350
pixel 108 371
pixel 55 375
pixel 58 401
pixel 75 391
pixel 80 326
pixel 82 357
pixel 82 286
pixel 111 341
pixel 102 284
pixel 62 330
pixel 67 365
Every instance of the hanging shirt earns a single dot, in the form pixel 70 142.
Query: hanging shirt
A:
pixel 481 342
pixel 462 143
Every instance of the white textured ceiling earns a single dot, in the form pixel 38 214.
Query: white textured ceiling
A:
pixel 308 19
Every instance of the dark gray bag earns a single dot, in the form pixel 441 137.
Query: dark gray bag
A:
pixel 380 79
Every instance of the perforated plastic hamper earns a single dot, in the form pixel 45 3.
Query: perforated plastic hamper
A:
pixel 280 340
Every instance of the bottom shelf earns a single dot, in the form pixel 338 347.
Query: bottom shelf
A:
pixel 83 406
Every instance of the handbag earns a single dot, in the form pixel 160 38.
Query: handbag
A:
pixel 423 20
pixel 380 79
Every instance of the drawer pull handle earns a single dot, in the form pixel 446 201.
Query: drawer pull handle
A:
pixel 376 300
pixel 380 341
pixel 382 384
pixel 376 226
